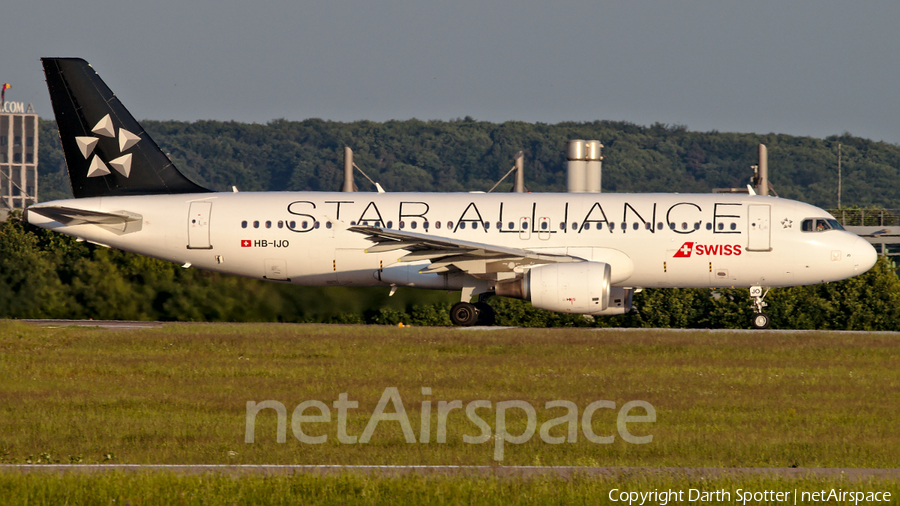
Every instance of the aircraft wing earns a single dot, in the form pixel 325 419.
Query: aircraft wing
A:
pixel 485 261
pixel 120 221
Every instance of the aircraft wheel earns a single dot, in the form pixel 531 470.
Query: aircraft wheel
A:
pixel 463 314
pixel 486 314
pixel 761 321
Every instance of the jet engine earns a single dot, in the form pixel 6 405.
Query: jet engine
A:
pixel 577 287
pixel 619 301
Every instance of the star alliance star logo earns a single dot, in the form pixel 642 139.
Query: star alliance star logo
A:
pixel 122 164
pixel 786 223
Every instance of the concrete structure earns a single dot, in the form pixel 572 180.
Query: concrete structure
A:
pixel 519 187
pixel 348 171
pixel 18 157
pixel 583 166
pixel 880 227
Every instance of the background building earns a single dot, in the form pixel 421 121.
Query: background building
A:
pixel 18 157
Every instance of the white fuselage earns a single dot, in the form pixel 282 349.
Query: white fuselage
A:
pixel 649 240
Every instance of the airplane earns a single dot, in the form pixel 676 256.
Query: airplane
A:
pixel 582 253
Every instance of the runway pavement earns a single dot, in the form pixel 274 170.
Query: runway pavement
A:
pixel 125 324
pixel 500 471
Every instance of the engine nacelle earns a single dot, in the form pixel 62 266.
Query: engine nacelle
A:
pixel 619 301
pixel 577 287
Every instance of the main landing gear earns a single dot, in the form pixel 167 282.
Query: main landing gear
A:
pixel 760 320
pixel 466 314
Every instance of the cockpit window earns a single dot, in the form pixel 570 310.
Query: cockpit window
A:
pixel 820 225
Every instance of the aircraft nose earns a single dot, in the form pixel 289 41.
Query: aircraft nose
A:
pixel 864 256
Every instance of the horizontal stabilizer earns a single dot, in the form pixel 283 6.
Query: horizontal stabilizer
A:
pixel 121 222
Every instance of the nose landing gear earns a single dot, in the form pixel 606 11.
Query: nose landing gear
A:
pixel 760 320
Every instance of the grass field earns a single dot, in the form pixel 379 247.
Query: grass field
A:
pixel 178 394
pixel 162 488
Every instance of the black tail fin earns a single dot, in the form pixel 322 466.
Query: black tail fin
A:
pixel 107 151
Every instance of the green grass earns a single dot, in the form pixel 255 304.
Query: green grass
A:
pixel 178 394
pixel 166 488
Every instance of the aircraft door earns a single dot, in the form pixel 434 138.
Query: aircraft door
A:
pixel 524 228
pixel 198 225
pixel 758 230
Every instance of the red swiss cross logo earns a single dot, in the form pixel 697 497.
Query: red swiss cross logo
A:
pixel 245 244
pixel 685 250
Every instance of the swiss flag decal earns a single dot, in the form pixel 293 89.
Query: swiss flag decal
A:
pixel 685 250
pixel 245 244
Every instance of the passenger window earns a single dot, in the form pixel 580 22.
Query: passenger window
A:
pixel 292 224
pixel 413 225
pixel 474 225
pixel 450 225
pixel 256 224
pixel 487 225
pixel 600 226
pixel 402 225
pixel 425 225
pixel 543 225
pixel 511 225
pixel 635 226
pixel 280 224
pixel 462 225
pixel 244 224
pixel 327 224
pixel 390 224
pixel 437 224
pixel 733 226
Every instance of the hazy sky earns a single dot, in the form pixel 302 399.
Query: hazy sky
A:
pixel 803 67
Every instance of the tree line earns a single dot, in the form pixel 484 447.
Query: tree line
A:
pixel 470 155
